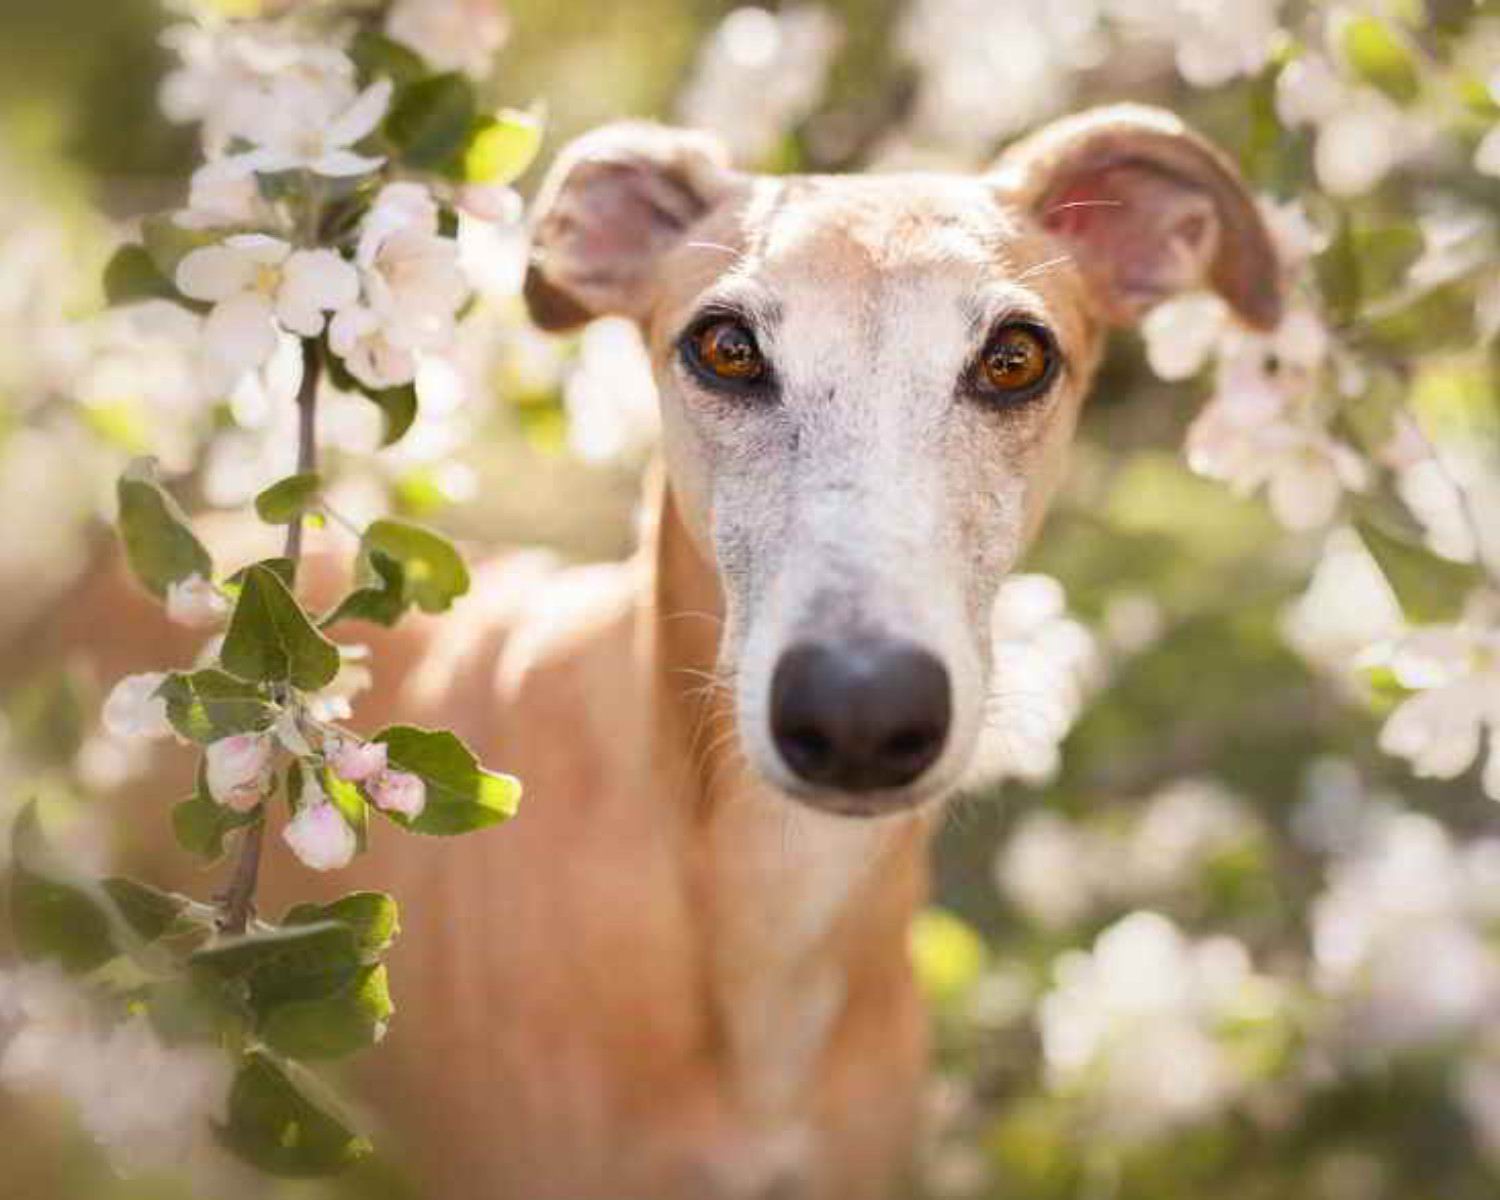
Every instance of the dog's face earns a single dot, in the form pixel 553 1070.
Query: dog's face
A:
pixel 868 385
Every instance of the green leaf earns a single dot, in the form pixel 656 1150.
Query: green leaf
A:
pixel 147 910
pixel 131 276
pixel 372 915
pixel 159 543
pixel 286 500
pixel 435 574
pixel 271 640
pixel 461 796
pixel 382 602
pixel 1380 56
pixel 351 1019
pixel 1430 589
pixel 204 706
pixel 430 120
pixel 398 405
pixel 280 1122
pixel 378 57
pixel 502 147
pixel 285 569
pixel 201 824
pixel 276 966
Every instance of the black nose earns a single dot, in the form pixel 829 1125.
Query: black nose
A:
pixel 859 715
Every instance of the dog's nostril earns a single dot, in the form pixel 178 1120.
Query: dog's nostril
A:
pixel 859 716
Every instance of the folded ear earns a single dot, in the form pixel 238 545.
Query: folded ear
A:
pixel 1148 209
pixel 616 199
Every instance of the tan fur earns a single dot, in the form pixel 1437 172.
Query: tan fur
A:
pixel 666 978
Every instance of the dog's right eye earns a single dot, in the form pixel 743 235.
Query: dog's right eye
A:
pixel 724 350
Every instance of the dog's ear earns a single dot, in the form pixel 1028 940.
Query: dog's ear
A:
pixel 1148 209
pixel 614 201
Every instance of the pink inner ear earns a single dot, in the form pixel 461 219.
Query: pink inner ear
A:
pixel 1138 234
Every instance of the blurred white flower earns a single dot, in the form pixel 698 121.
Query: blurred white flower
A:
pixel 1046 666
pixel 1221 40
pixel 413 282
pixel 148 1105
pixel 1487 156
pixel 224 193
pixel 452 35
pixel 760 73
pixel 369 349
pixel 318 835
pixel 253 281
pixel 1048 867
pixel 239 769
pixel 1135 1028
pixel 134 710
pixel 296 132
pixel 399 792
pixel 610 394
pixel 1184 827
pixel 1348 606
pixel 1479 1096
pixel 355 761
pixel 196 602
pixel 1399 937
pixel 1455 671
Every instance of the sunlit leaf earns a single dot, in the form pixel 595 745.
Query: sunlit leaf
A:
pixel 281 1121
pixel 287 499
pixel 160 545
pixel 461 796
pixel 271 640
pixel 435 573
pixel 205 706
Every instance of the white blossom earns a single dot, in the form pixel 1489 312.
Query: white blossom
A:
pixel 355 761
pixel 148 1105
pixel 295 132
pixel 398 792
pixel 411 274
pixel 134 710
pixel 1455 671
pixel 239 769
pixel 255 281
pixel 1133 1028
pixel 196 602
pixel 318 835
pixel 452 35
pixel 369 350
pixel 223 193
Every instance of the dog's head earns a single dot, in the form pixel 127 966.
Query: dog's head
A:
pixel 868 385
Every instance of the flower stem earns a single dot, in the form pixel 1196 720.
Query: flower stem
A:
pixel 238 902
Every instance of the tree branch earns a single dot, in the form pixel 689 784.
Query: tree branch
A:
pixel 239 897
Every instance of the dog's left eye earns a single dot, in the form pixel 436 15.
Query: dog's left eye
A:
pixel 1017 362
pixel 724 350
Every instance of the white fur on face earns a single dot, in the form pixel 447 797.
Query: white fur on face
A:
pixel 871 496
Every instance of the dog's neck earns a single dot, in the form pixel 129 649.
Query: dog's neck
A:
pixel 800 911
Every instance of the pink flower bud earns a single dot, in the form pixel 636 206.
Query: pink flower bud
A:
pixel 196 603
pixel 320 837
pixel 239 769
pixel 354 761
pixel 134 710
pixel 399 792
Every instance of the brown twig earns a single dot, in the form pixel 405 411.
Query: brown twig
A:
pixel 238 900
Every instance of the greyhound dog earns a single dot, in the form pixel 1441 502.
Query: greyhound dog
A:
pixel 681 971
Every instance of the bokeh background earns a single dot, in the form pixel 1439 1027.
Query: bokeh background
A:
pixel 1203 936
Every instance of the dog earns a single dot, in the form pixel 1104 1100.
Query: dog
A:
pixel 681 971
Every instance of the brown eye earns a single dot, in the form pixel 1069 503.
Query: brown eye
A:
pixel 1018 359
pixel 726 349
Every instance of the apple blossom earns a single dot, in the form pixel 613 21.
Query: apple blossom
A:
pixel 223 193
pixel 251 279
pixel 370 352
pixel 1455 671
pixel 134 710
pixel 196 602
pixel 453 35
pixel 239 769
pixel 413 281
pixel 293 134
pixel 398 792
pixel 318 835
pixel 354 761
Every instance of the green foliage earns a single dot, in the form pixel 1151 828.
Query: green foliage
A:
pixel 433 570
pixel 398 405
pixel 372 915
pixel 1380 56
pixel 382 600
pixel 204 706
pixel 271 640
pixel 1430 589
pixel 351 1018
pixel 131 276
pixel 287 499
pixel 430 121
pixel 280 1121
pixel 502 147
pixel 201 823
pixel 461 796
pixel 159 543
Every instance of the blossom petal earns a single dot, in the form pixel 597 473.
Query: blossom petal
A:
pixel 341 164
pixel 238 334
pixel 360 118
pixel 214 273
pixel 312 283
